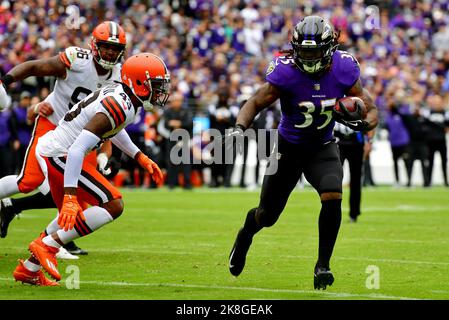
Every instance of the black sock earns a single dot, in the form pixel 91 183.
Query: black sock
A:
pixel 36 201
pixel 328 225
pixel 251 226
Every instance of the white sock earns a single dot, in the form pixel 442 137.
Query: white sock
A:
pixel 8 186
pixel 49 241
pixel 31 266
pixel 96 217
pixel 53 226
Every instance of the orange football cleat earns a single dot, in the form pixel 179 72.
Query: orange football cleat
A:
pixel 46 256
pixel 38 278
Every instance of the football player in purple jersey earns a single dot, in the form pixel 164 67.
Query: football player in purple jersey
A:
pixel 308 80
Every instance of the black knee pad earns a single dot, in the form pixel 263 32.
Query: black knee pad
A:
pixel 267 218
pixel 331 183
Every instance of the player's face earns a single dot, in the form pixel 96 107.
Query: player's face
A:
pixel 160 92
pixel 310 54
pixel 109 52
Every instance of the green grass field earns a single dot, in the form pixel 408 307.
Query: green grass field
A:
pixel 175 245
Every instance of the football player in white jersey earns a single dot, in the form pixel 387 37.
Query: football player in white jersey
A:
pixel 61 155
pixel 79 72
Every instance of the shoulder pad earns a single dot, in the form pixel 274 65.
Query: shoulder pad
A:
pixel 72 57
pixel 347 68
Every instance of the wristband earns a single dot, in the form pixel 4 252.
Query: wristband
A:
pixel 240 126
pixel 36 108
pixel 7 79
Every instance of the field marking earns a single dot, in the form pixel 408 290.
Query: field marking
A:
pixel 175 285
pixel 280 236
pixel 440 291
pixel 150 250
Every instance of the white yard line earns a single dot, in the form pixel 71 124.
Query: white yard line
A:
pixel 149 250
pixel 199 286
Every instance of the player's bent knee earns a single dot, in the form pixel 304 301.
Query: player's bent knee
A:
pixel 326 196
pixel 266 218
pixel 26 188
pixel 331 184
pixel 114 207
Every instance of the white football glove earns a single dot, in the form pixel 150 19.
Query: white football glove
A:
pixel 5 99
pixel 102 161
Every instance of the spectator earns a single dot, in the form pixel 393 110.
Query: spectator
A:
pixel 417 127
pixel 221 118
pixel 438 121
pixel 8 142
pixel 178 117
pixel 24 127
pixel 399 139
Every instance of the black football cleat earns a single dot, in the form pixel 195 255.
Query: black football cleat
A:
pixel 7 213
pixel 322 278
pixel 74 249
pixel 238 253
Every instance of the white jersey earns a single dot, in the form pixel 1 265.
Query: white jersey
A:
pixel 111 100
pixel 81 79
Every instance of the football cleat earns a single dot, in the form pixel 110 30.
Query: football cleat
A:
pixel 46 256
pixel 37 278
pixel 6 215
pixel 238 253
pixel 64 254
pixel 72 248
pixel 322 277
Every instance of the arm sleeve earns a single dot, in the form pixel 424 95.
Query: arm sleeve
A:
pixel 85 142
pixel 122 141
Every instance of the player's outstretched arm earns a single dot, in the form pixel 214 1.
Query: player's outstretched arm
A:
pixel 372 117
pixel 263 98
pixel 43 67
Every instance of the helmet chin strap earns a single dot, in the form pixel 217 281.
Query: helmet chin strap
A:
pixel 147 105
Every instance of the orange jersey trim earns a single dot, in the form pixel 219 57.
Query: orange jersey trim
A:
pixel 64 59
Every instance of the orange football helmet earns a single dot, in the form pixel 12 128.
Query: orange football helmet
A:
pixel 147 76
pixel 108 44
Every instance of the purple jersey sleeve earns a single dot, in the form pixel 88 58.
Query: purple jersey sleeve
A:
pixel 347 69
pixel 279 71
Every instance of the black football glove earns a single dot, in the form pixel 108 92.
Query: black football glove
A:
pixel 356 125
pixel 233 138
pixel 351 119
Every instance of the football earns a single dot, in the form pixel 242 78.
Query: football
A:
pixel 350 104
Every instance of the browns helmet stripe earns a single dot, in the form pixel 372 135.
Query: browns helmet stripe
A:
pixel 113 30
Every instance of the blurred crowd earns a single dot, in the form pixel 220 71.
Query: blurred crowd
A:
pixel 217 52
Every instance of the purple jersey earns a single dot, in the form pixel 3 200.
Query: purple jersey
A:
pixel 307 103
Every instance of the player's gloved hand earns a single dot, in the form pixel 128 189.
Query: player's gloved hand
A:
pixel 69 211
pixel 351 119
pixel 5 99
pixel 356 125
pixel 149 165
pixel 343 114
pixel 103 164
pixel 44 109
pixel 234 138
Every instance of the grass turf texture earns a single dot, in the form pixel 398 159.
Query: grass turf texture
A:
pixel 175 245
